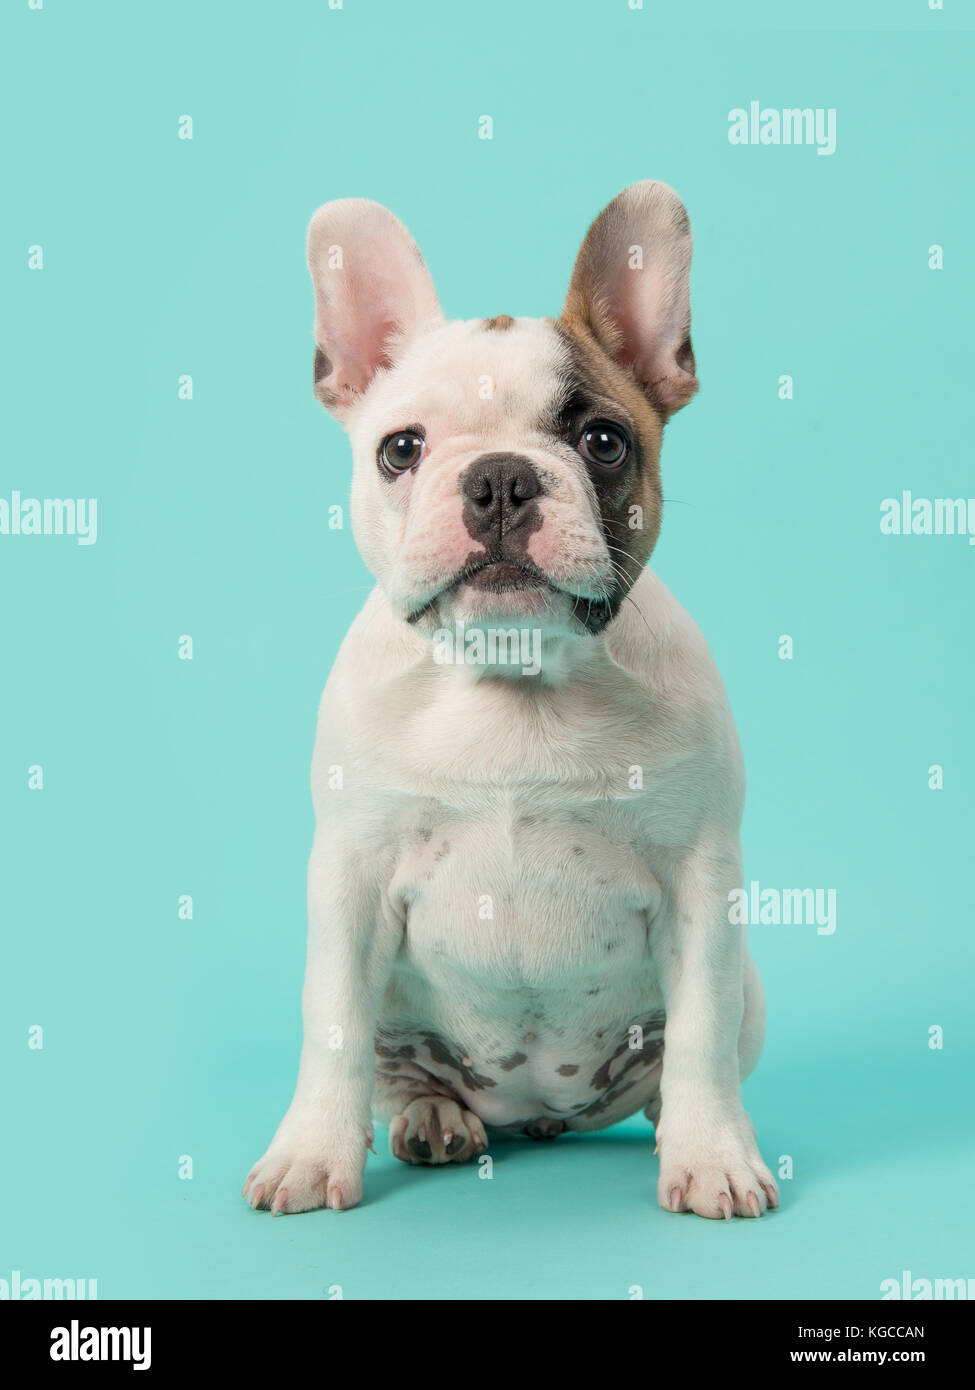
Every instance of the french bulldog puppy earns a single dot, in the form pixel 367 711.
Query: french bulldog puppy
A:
pixel 519 885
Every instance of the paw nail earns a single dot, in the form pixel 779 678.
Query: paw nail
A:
pixel 753 1204
pixel 675 1199
pixel 724 1202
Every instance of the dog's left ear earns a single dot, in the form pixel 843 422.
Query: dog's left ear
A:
pixel 631 289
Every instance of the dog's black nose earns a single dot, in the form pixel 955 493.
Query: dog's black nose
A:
pixel 499 493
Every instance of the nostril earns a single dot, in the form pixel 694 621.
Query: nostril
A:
pixel 524 486
pixel 479 489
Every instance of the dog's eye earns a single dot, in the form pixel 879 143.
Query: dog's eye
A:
pixel 604 444
pixel 401 451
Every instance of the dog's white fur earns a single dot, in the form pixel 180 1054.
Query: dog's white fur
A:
pixel 513 871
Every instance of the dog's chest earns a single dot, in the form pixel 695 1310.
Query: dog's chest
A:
pixel 517 890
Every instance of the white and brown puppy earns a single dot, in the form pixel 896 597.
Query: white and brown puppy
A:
pixel 518 889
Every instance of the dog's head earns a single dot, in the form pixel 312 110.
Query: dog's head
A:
pixel 506 469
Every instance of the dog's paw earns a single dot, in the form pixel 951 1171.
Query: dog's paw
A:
pixel 720 1178
pixel 434 1129
pixel 298 1174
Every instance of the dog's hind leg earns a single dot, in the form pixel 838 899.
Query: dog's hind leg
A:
pixel 426 1124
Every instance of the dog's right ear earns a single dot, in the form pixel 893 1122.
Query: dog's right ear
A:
pixel 373 293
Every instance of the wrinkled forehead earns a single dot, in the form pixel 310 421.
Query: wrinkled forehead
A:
pixel 482 376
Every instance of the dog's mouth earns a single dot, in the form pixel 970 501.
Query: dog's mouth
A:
pixel 504 577
pixel 499 575
pixel 493 575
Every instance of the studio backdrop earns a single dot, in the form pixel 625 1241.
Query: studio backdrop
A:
pixel 178 571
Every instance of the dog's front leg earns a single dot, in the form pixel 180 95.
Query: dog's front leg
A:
pixel 709 1158
pixel 317 1156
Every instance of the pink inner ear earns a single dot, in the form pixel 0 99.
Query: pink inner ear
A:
pixel 369 299
pixel 645 322
pixel 357 359
pixel 649 336
pixel 360 333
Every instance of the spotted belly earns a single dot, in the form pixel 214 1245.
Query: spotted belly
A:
pixel 541 1084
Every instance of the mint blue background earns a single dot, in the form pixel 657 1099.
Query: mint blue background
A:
pixel 163 777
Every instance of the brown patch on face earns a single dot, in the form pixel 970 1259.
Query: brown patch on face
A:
pixel 603 389
pixel 499 324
